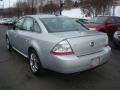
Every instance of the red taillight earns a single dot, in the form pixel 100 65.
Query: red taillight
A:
pixel 62 48
pixel 63 53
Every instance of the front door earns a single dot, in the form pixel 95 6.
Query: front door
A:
pixel 23 36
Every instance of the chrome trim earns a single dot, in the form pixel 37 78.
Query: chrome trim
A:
pixel 20 52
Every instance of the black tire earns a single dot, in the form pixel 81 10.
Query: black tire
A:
pixel 115 44
pixel 9 47
pixel 34 63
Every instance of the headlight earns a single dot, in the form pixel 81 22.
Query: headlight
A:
pixel 92 29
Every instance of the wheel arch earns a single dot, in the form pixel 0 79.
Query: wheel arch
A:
pixel 30 48
pixel 33 48
pixel 37 49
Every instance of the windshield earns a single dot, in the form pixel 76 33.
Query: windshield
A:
pixel 98 20
pixel 61 24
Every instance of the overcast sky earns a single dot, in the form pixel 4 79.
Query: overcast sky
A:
pixel 6 3
pixel 12 2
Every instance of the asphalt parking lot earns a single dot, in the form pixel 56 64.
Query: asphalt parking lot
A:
pixel 16 75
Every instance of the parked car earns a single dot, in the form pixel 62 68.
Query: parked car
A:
pixel 57 43
pixel 1 21
pixel 116 39
pixel 107 24
pixel 5 20
pixel 9 22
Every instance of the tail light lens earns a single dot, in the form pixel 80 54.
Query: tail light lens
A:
pixel 62 48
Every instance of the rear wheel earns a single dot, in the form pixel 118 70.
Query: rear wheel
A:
pixel 34 63
pixel 9 47
pixel 115 44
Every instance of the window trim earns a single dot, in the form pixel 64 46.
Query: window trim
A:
pixel 38 26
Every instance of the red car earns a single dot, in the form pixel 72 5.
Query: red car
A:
pixel 107 24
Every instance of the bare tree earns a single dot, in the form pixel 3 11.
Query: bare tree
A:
pixel 68 4
pixel 95 7
pixel 51 8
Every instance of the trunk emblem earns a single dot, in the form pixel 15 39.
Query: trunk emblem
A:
pixel 92 44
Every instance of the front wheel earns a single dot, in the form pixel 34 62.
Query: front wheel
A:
pixel 34 63
pixel 9 47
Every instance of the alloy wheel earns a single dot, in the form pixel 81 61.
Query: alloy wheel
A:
pixel 34 62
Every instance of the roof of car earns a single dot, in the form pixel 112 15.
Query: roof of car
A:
pixel 108 16
pixel 45 16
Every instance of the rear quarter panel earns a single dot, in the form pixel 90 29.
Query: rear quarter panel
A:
pixel 43 44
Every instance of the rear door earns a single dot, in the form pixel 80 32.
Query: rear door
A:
pixel 15 33
pixel 30 29
pixel 23 35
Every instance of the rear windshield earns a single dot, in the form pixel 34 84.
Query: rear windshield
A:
pixel 98 20
pixel 59 24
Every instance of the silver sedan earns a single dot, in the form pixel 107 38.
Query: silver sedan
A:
pixel 57 43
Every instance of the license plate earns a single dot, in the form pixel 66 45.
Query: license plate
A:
pixel 95 61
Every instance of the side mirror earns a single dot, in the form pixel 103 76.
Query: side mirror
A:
pixel 12 26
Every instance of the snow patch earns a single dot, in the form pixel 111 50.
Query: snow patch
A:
pixel 117 11
pixel 73 13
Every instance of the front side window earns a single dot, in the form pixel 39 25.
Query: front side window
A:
pixel 62 24
pixel 28 24
pixel 19 23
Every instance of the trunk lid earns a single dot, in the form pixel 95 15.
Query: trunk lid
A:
pixel 85 42
pixel 88 44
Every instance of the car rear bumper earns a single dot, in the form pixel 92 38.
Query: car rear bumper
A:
pixel 71 63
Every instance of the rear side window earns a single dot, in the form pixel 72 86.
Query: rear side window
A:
pixel 37 27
